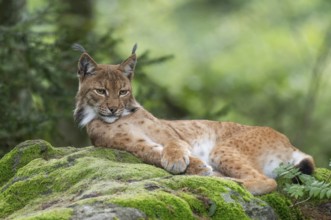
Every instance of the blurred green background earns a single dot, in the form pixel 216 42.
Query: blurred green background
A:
pixel 248 61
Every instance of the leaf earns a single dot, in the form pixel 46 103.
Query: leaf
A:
pixel 306 179
pixel 316 184
pixel 328 194
pixel 295 191
pixel 287 171
pixel 314 192
pixel 323 193
pixel 317 191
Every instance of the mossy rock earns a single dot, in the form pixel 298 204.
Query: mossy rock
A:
pixel 39 181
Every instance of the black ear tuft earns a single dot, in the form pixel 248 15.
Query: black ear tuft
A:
pixel 86 65
pixel 78 47
pixel 135 46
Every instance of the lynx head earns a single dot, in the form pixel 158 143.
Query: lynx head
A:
pixel 105 91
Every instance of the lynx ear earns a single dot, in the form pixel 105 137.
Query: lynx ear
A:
pixel 129 64
pixel 86 65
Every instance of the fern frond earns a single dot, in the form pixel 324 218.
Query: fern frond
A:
pixel 309 187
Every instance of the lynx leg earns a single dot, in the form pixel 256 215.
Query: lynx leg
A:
pixel 237 166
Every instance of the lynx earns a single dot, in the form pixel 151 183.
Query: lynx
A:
pixel 113 118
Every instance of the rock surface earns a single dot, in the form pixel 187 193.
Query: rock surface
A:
pixel 39 181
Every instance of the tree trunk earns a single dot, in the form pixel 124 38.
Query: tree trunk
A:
pixel 11 12
pixel 74 21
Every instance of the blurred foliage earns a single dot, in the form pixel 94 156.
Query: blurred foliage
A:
pixel 252 62
pixel 38 80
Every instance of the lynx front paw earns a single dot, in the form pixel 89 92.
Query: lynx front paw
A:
pixel 175 162
pixel 198 167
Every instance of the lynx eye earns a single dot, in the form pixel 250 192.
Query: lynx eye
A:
pixel 123 92
pixel 101 91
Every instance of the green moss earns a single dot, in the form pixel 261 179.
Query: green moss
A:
pixel 105 153
pixel 153 196
pixel 125 172
pixel 197 196
pixel 25 152
pixel 205 185
pixel 211 190
pixel 157 204
pixel 199 205
pixel 54 214
pixel 282 206
pixel 20 156
pixel 20 192
pixel 323 174
pixel 115 155
pixel 71 172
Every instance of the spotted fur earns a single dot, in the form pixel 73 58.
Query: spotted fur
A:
pixel 113 118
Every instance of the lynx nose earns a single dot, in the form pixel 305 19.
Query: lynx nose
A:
pixel 112 109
